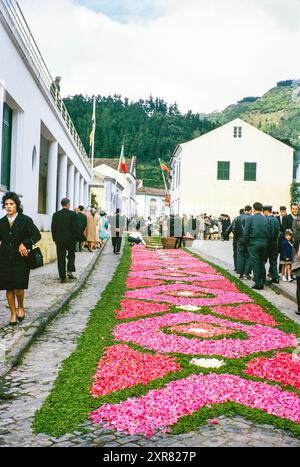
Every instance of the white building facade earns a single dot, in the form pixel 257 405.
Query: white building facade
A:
pixel 151 202
pixel 228 168
pixel 117 190
pixel 42 157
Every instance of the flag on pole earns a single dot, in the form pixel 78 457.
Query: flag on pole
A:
pixel 93 132
pixel 163 175
pixel 165 167
pixel 122 163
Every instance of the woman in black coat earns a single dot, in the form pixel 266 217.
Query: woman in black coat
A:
pixel 17 236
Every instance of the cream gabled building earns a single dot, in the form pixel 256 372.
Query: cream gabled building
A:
pixel 229 167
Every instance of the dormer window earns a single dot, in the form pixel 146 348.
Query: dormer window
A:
pixel 237 132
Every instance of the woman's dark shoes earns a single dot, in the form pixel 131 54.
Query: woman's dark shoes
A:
pixel 21 318
pixel 13 324
pixel 248 276
pixel 258 287
pixel 70 276
pixel 241 277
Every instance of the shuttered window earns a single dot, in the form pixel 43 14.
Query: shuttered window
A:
pixel 6 147
pixel 250 171
pixel 223 170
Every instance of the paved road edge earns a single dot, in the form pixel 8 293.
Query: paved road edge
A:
pixel 17 350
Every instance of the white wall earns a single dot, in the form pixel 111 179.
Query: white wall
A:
pixel 200 191
pixel 126 194
pixel 31 108
pixel 144 205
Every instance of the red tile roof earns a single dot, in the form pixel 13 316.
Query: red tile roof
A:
pixel 114 163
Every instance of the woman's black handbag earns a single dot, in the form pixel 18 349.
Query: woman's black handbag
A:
pixel 35 258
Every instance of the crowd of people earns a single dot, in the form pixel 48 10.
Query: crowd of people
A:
pixel 260 235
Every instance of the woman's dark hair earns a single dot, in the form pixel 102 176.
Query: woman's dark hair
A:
pixel 14 197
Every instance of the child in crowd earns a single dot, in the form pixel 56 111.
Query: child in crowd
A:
pixel 286 256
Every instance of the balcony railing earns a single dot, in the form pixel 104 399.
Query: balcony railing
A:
pixel 17 22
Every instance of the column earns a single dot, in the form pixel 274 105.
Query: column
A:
pixel 1 121
pixel 52 178
pixel 86 195
pixel 62 179
pixel 70 191
pixel 89 195
pixel 298 172
pixel 81 195
pixel 76 189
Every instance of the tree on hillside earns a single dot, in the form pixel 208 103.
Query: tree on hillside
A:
pixel 152 127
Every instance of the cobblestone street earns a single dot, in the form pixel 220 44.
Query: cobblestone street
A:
pixel 44 299
pixel 30 383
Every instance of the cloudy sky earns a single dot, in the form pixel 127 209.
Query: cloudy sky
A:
pixel 203 54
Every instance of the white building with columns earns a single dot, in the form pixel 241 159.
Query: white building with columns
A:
pixel 113 189
pixel 229 168
pixel 42 157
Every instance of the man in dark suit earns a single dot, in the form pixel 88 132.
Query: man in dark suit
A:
pixel 287 221
pixel 243 263
pixel 273 243
pixel 280 218
pixel 118 225
pixel 82 224
pixel 257 235
pixel 64 229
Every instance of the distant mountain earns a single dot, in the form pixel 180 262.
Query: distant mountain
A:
pixel 277 112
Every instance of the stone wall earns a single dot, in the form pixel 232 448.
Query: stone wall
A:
pixel 47 247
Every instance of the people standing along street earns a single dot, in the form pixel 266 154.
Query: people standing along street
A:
pixel 286 256
pixel 149 226
pixel 201 228
pixel 82 224
pixel 257 234
pixel 104 226
pixel 232 229
pixel 64 229
pixel 118 224
pixel 273 243
pixel 244 266
pixel 225 225
pixel 281 216
pixel 287 221
pixel 92 230
pixel 18 234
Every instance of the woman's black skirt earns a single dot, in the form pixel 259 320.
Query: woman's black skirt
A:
pixel 14 275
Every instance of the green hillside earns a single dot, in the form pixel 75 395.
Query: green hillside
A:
pixel 277 112
pixel 152 129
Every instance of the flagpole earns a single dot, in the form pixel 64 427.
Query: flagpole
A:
pixel 119 166
pixel 94 128
pixel 167 191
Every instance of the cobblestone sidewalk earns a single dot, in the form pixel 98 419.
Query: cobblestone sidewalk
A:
pixel 31 383
pixel 44 294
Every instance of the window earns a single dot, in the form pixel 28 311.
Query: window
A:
pixel 223 170
pixel 250 172
pixel 237 132
pixel 6 147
